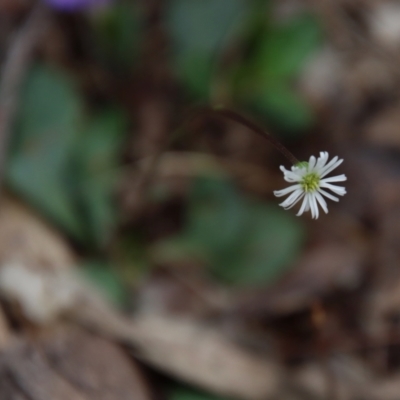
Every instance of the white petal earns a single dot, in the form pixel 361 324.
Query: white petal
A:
pixel 314 206
pixel 292 199
pixel 290 176
pixel 304 204
pixel 283 169
pixel 328 195
pixel 338 178
pixel 321 201
pixel 340 190
pixel 330 166
pixel 293 170
pixel 322 159
pixel 311 164
pixel 283 192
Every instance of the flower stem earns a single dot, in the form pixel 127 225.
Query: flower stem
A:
pixel 234 116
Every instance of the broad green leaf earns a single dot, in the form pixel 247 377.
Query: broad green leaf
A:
pixel 242 241
pixel 44 135
pixel 216 215
pixel 285 48
pixel 97 156
pixel 285 109
pixel 274 240
pixel 265 80
pixel 199 30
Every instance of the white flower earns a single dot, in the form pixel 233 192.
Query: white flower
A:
pixel 310 184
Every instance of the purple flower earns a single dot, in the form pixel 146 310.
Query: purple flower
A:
pixel 74 5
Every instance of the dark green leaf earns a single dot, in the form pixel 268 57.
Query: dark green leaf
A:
pixel 273 240
pixel 98 155
pixel 265 80
pixel 199 29
pixel 45 133
pixel 243 241
pixel 285 109
pixel 285 48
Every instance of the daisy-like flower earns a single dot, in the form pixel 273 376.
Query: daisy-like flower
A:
pixel 310 182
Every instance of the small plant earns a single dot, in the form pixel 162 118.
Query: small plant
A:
pixel 308 177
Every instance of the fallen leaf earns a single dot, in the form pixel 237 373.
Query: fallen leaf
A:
pixel 68 363
pixel 188 350
pixel 26 238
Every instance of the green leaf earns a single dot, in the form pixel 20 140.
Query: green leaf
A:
pixel 285 109
pixel 64 165
pixel 118 32
pixel 243 241
pixel 104 277
pixel 97 161
pixel 265 80
pixel 216 215
pixel 284 49
pixel 274 240
pixel 199 30
pixel 45 132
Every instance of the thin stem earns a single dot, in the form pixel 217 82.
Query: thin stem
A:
pixel 234 116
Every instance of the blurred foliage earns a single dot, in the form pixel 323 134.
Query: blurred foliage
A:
pixel 64 162
pixel 97 158
pixel 184 393
pixel 242 241
pixel 284 110
pixel 283 47
pixel 267 77
pixel 118 34
pixel 46 129
pixel 65 155
pixel 200 30
pixel 273 53
pixel 130 255
pixel 103 276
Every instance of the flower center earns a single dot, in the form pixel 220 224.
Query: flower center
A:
pixel 310 182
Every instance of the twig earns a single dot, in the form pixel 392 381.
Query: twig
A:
pixel 13 72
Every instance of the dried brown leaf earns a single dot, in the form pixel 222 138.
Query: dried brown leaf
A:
pixel 68 363
pixel 26 238
pixel 186 349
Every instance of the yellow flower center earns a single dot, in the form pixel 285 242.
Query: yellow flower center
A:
pixel 310 182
